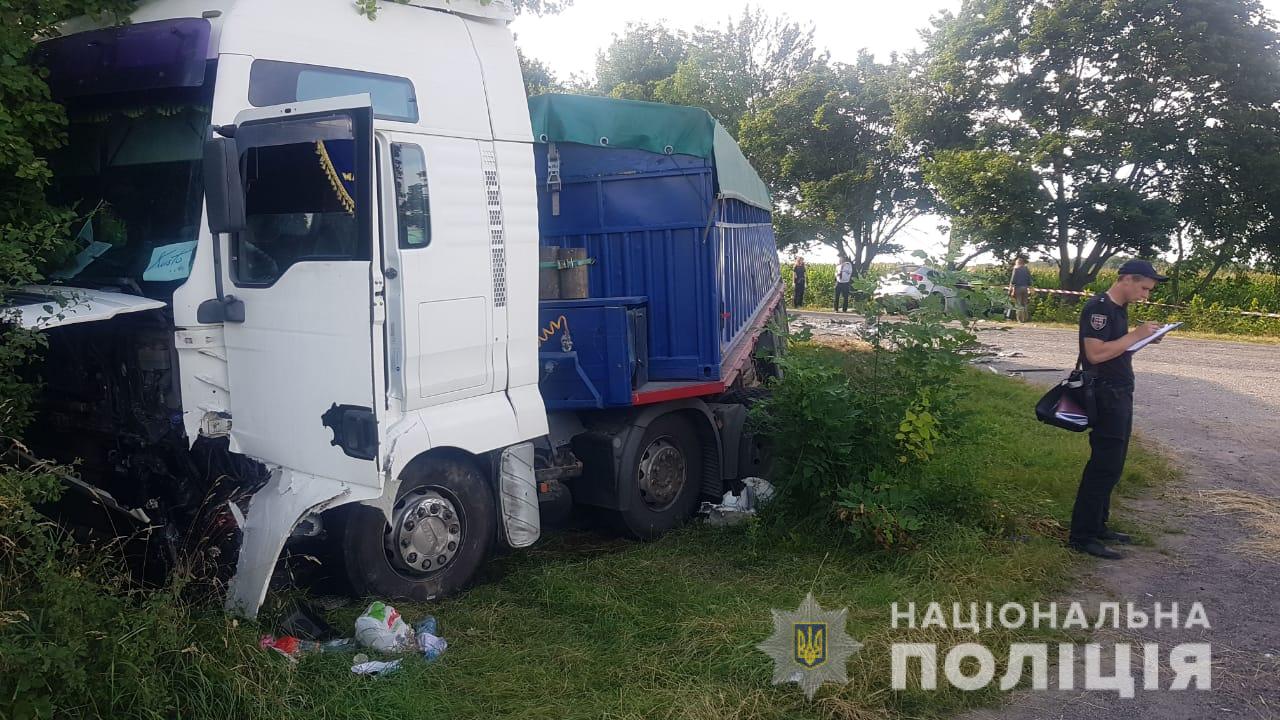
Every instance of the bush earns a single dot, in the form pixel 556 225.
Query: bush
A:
pixel 857 434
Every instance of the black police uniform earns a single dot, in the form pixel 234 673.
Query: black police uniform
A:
pixel 1103 319
pixel 800 283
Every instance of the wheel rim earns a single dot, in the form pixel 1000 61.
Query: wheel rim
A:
pixel 662 474
pixel 426 531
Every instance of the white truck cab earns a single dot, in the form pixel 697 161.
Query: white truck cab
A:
pixel 370 302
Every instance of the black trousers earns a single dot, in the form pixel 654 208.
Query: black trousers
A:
pixel 1109 442
pixel 842 291
pixel 798 296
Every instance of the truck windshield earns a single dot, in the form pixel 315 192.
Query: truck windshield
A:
pixel 132 166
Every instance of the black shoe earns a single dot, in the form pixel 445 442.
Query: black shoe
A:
pixel 1096 549
pixel 1115 537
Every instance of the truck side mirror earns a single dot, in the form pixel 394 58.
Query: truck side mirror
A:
pixel 223 190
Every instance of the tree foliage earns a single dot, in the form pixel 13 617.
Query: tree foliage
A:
pixel 822 136
pixel 539 78
pixel 369 8
pixel 1136 119
pixel 842 173
pixel 31 126
pixel 638 60
pixel 731 70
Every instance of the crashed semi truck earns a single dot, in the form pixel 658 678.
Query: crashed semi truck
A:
pixel 342 282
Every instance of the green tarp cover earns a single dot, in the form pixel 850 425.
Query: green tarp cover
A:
pixel 653 127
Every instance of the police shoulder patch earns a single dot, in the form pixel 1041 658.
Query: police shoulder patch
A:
pixel 1097 321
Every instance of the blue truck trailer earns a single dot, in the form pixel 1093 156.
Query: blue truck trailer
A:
pixel 668 231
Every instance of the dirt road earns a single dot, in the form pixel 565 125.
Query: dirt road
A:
pixel 1216 406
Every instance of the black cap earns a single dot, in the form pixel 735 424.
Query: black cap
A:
pixel 1143 268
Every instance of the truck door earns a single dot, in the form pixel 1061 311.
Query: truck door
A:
pixel 301 363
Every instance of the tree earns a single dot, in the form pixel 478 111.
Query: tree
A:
pixel 32 231
pixel 994 202
pixel 1110 106
pixel 369 8
pixel 539 78
pixel 636 61
pixel 731 70
pixel 842 173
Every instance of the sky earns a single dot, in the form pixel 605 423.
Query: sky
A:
pixel 568 43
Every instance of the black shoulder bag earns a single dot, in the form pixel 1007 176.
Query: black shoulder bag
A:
pixel 1070 404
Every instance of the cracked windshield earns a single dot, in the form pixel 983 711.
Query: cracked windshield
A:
pixel 131 168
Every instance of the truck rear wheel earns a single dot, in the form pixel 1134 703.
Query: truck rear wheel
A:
pixel 664 480
pixel 442 527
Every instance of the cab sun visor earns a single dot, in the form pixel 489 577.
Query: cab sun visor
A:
pixel 144 56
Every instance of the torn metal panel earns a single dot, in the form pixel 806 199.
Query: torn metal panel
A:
pixel 274 512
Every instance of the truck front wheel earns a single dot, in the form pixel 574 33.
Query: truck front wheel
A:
pixel 663 481
pixel 442 526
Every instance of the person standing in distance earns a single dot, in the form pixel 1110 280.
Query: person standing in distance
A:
pixel 1020 288
pixel 800 280
pixel 1104 342
pixel 844 276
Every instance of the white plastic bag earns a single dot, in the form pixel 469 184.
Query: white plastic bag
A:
pixel 381 628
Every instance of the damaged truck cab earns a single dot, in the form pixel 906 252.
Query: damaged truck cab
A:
pixel 306 300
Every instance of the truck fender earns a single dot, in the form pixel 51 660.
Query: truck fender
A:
pixel 610 445
pixel 274 512
pixel 475 426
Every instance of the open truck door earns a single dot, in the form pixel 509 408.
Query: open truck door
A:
pixel 292 205
pixel 300 297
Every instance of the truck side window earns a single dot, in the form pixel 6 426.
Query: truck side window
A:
pixel 300 201
pixel 413 206
pixel 275 83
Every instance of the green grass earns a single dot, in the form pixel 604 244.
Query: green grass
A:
pixel 584 626
pixel 587 626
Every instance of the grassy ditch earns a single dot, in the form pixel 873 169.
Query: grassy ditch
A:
pixel 584 626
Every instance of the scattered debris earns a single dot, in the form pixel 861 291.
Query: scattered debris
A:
pixel 381 628
pixel 375 667
pixel 735 508
pixel 305 623
pixel 294 648
pixel 820 326
pixel 430 645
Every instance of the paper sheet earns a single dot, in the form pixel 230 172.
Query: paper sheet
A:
pixel 170 262
pixel 1158 334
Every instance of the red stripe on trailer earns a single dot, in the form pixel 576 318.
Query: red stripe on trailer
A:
pixel 676 392
pixel 747 342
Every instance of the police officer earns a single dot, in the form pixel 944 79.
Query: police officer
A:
pixel 1104 341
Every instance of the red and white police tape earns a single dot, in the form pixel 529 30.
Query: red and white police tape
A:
pixel 1047 291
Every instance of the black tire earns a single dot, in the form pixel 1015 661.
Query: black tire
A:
pixel 453 487
pixel 649 515
pixel 768 349
pixel 755 456
pixel 770 346
pixel 744 396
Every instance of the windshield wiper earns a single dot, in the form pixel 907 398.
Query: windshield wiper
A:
pixel 125 285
